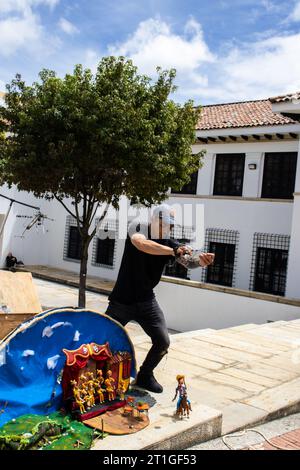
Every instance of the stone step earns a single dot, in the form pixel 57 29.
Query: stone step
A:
pixel 236 377
pixel 168 432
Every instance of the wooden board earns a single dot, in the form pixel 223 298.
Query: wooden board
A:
pixel 18 292
pixel 115 422
pixel 10 321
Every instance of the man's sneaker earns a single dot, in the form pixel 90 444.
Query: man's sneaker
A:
pixel 148 382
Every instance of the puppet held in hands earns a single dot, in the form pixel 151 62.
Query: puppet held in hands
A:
pixel 192 259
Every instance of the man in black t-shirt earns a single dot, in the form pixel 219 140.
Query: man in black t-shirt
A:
pixel 148 248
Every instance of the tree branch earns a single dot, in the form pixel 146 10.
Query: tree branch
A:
pixel 63 204
pixel 78 218
pixel 90 208
pixel 100 220
pixel 84 205
pixel 93 215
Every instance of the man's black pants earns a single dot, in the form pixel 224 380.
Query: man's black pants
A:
pixel 149 315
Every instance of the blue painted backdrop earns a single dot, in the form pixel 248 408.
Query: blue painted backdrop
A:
pixel 31 361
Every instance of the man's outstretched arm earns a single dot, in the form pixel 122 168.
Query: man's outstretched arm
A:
pixel 149 246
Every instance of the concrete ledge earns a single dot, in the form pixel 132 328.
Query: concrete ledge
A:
pixel 105 286
pixel 167 432
pixel 232 290
pixel 205 430
pixel 231 198
pixel 69 278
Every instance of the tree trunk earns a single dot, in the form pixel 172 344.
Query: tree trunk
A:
pixel 83 271
pixel 86 239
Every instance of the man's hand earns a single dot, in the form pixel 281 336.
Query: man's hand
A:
pixel 183 250
pixel 206 259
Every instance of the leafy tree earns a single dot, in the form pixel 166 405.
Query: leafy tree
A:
pixel 93 138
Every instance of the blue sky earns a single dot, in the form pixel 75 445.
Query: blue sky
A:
pixel 223 50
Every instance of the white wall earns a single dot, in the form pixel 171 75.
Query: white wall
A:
pixel 188 308
pixel 247 216
pixel 43 247
pixel 293 283
pixel 55 244
pixel 254 154
pixel 2 217
pixel 249 213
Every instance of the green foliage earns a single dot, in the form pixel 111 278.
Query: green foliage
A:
pixel 93 138
pixel 115 133
pixel 53 432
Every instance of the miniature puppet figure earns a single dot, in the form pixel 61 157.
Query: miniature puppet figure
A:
pixel 77 396
pixel 100 378
pixel 90 379
pixel 90 394
pixel 84 393
pixel 98 385
pixel 183 407
pixel 100 392
pixel 83 379
pixel 122 389
pixel 109 384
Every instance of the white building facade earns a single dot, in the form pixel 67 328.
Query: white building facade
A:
pixel 249 186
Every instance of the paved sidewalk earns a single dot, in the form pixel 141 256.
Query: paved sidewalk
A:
pixel 288 441
pixel 237 377
pixel 246 440
pixel 62 276
pixel 54 295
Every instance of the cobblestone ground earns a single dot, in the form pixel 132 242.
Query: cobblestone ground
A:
pixel 284 432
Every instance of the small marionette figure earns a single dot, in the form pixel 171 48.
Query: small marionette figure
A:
pixel 100 393
pixel 90 398
pixel 82 380
pixel 109 384
pixel 181 391
pixel 100 377
pixel 98 385
pixel 77 396
pixel 122 389
pixel 83 390
pixel 90 379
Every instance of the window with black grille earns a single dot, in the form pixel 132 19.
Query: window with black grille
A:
pixel 74 243
pixel 224 243
pixel 269 263
pixel 189 188
pixel 279 175
pixel 105 251
pixel 271 270
pixel 184 235
pixel 229 174
pixel 221 272
pixel 104 244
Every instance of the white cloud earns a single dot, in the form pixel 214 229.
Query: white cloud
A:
pixel 20 26
pixel 67 27
pixel 295 15
pixel 271 7
pixel 154 44
pixel 23 6
pixel 2 87
pixel 262 68
pixel 18 31
pixel 90 59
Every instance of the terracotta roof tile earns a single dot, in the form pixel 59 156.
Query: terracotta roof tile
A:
pixel 284 98
pixel 243 114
